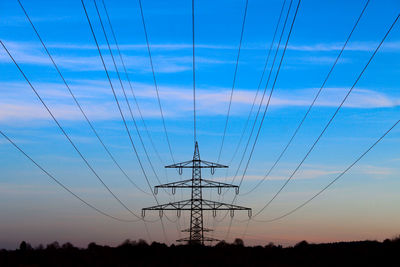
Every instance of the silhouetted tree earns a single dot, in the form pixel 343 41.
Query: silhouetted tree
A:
pixel 396 239
pixel 238 242
pixel 25 246
pixel 127 243
pixel 142 243
pixel 138 253
pixel 93 246
pixel 301 244
pixel 156 244
pixel 222 243
pixel 67 245
pixel 270 245
pixel 53 246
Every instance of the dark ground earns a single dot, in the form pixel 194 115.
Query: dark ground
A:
pixel 132 253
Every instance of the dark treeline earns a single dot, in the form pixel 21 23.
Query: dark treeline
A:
pixel 139 253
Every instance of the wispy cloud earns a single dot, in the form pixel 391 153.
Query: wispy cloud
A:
pixel 359 98
pixel 376 171
pixel 313 47
pixel 317 60
pixel 29 53
pixel 79 60
pixel 97 100
pixel 129 47
pixel 354 46
pixel 301 174
pixel 316 172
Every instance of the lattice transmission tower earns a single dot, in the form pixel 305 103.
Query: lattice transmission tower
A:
pixel 196 204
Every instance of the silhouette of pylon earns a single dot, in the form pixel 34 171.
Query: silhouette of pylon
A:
pixel 196 204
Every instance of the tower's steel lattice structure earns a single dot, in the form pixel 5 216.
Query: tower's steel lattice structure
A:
pixel 196 204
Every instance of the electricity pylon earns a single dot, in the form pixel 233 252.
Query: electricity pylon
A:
pixel 196 204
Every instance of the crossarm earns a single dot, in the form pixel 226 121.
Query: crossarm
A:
pixel 203 164
pixel 206 205
pixel 204 184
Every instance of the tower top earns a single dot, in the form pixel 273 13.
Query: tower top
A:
pixel 196 155
pixel 196 158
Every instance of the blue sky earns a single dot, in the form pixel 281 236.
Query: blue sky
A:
pixel 360 206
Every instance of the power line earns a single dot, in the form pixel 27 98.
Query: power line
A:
pixel 134 97
pixel 267 105
pixel 66 135
pixel 270 95
pixel 259 85
pixel 263 96
pixel 260 105
pixel 234 81
pixel 126 99
pixel 131 87
pixel 115 97
pixel 333 181
pixel 311 105
pixel 78 104
pixel 194 76
pixel 120 110
pixel 65 187
pixel 255 97
pixel 125 96
pixel 155 81
pixel 331 119
pixel 232 89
